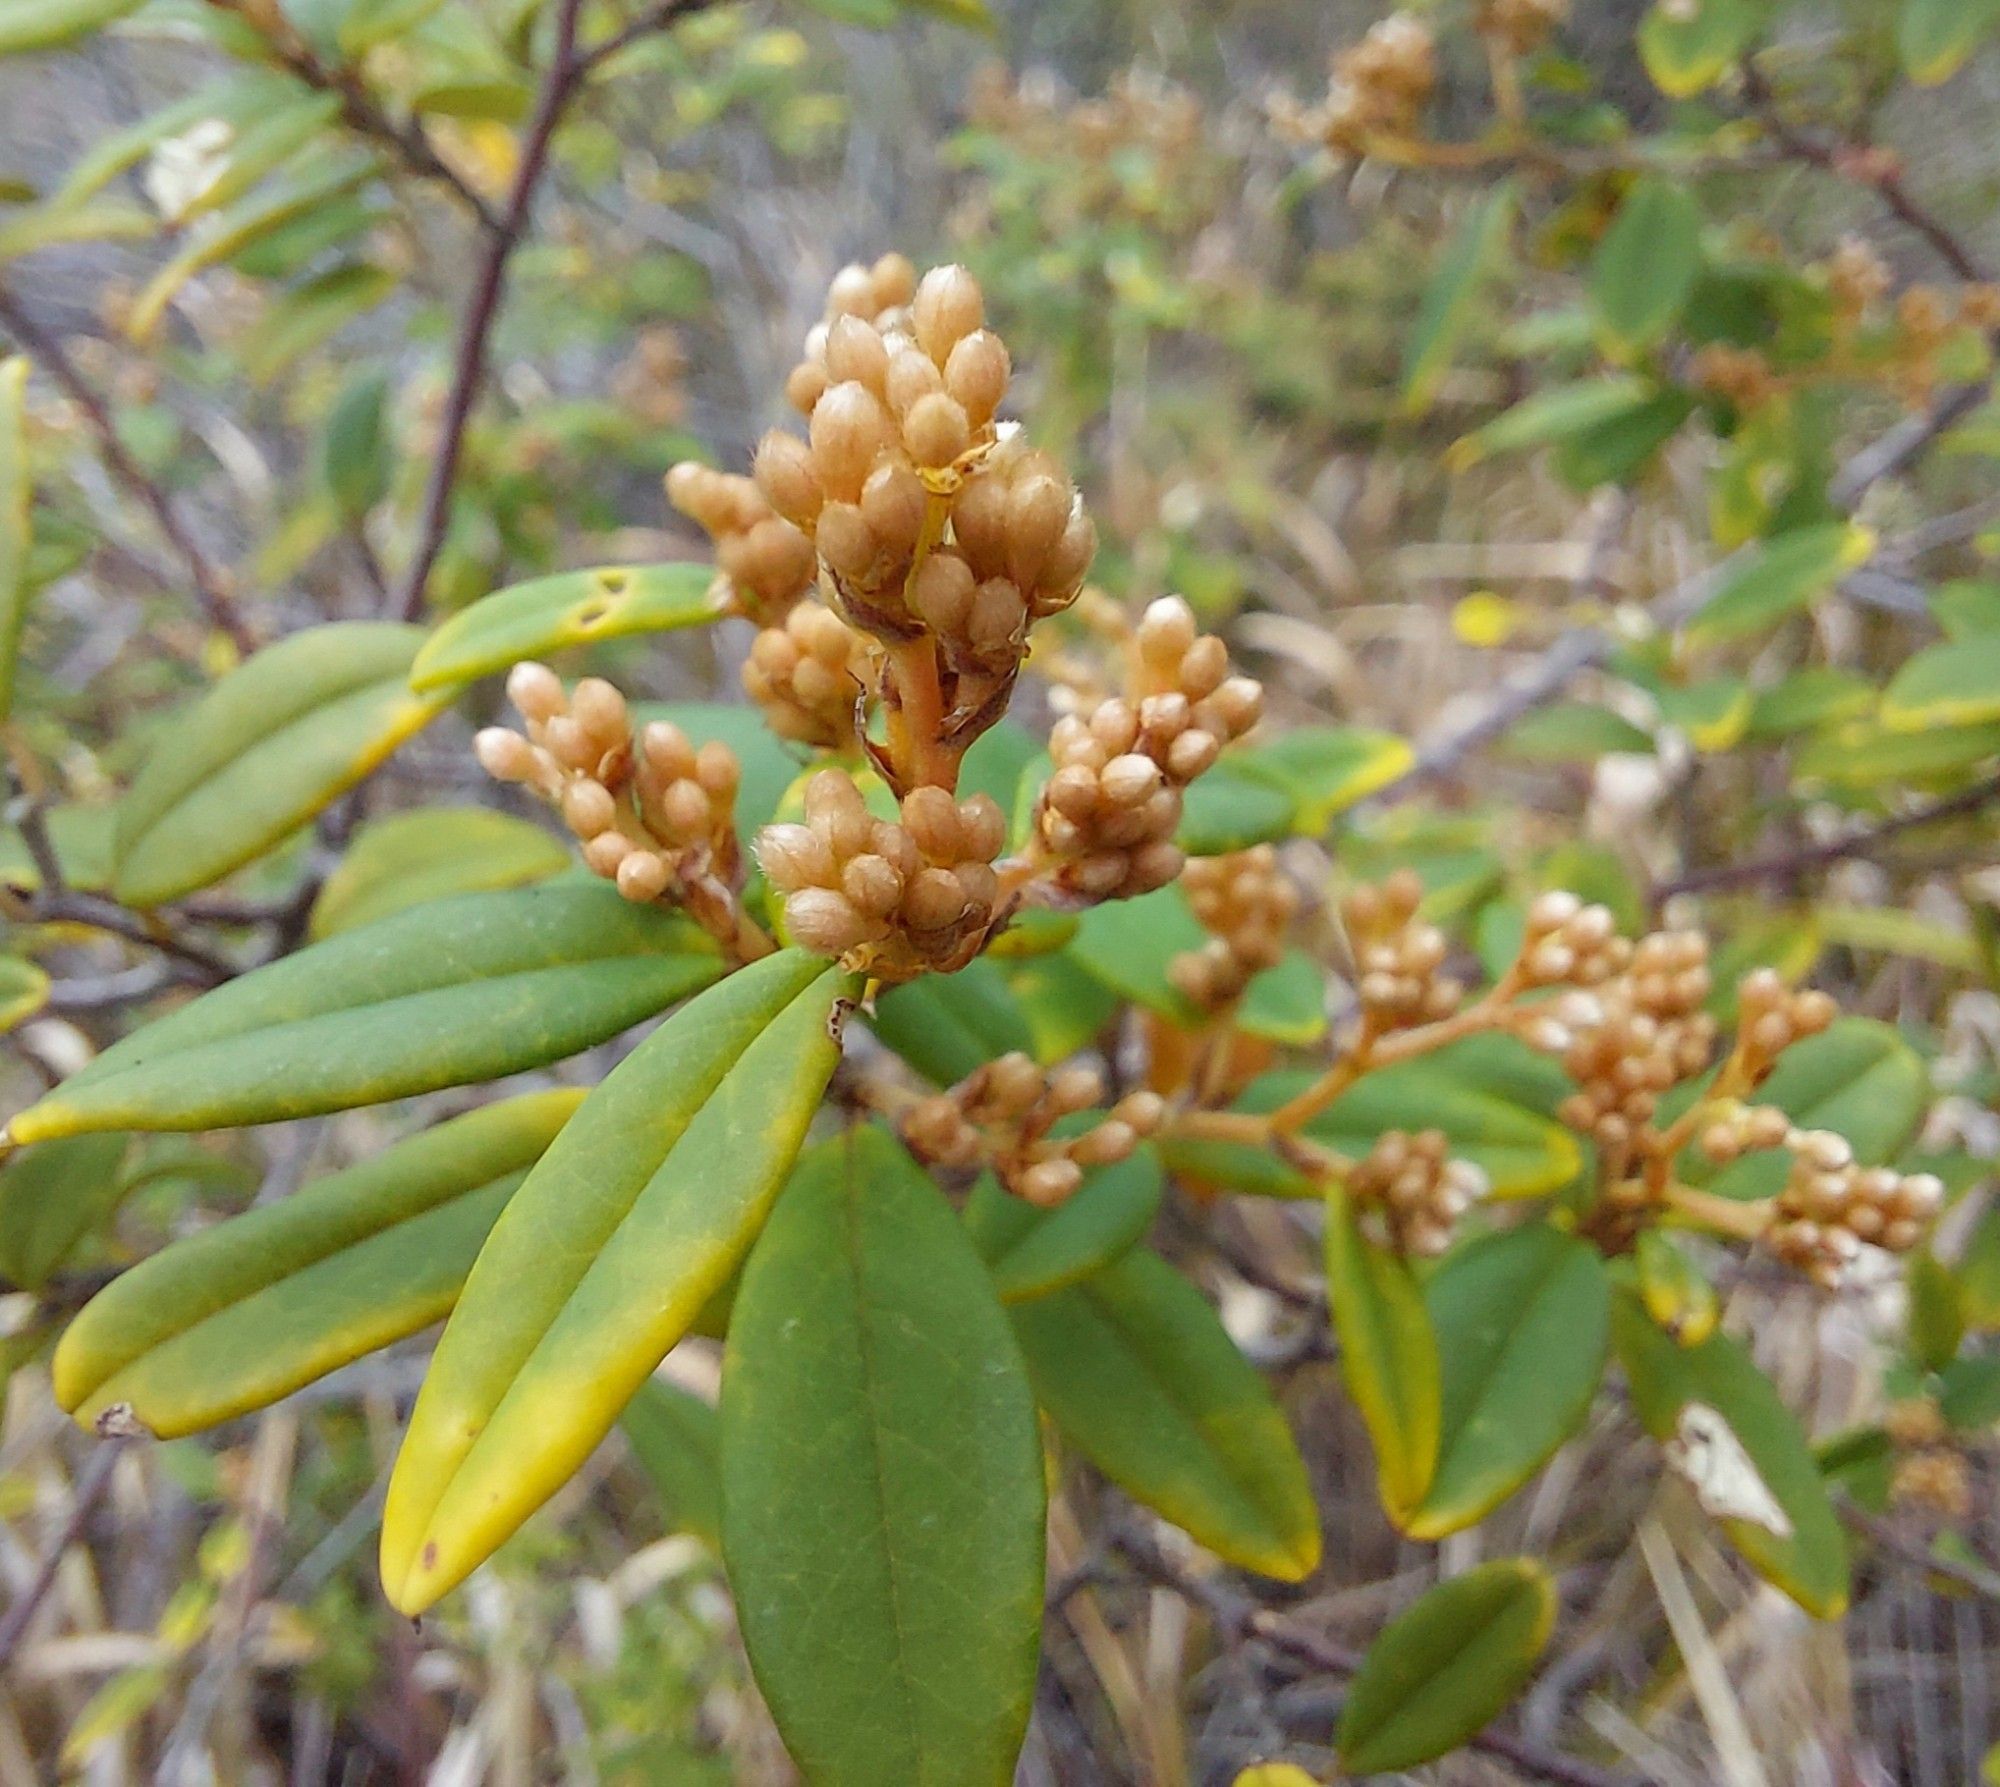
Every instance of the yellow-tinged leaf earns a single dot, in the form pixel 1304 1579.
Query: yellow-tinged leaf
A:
pixel 241 1314
pixel 635 1216
pixel 1274 1774
pixel 529 620
pixel 261 752
pixel 16 492
pixel 407 858
pixel 24 990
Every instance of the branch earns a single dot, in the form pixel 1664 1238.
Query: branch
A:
pixel 210 583
pixel 90 1488
pixel 1790 864
pixel 1967 1575
pixel 1239 1620
pixel 568 69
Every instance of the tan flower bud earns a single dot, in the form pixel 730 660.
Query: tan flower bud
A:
pixel 936 430
pixel 941 593
pixel 642 876
pixel 872 885
pixel 784 472
pixel 845 540
pixel 587 808
pixel 947 308
pixel 795 856
pixel 854 352
pixel 1049 1183
pixel 848 430
pixel 805 385
pixel 893 280
pixel 826 922
pixel 931 817
pixel 912 377
pixel 893 505
pixel 852 293
pixel 506 756
pixel 976 374
pixel 934 900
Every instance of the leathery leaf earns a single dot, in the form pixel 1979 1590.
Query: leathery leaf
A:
pixel 882 1482
pixel 604 1257
pixel 243 1313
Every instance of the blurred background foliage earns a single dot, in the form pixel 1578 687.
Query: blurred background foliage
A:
pixel 1617 431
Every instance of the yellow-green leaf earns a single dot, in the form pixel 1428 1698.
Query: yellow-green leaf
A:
pixel 263 751
pixel 883 1500
pixel 950 1025
pixel 241 1314
pixel 1388 1356
pixel 1522 1320
pixel 446 994
pixel 1795 1542
pixel 1448 296
pixel 49 24
pixel 1688 45
pixel 530 620
pixel 408 858
pixel 1443 1669
pixel 1326 769
pixel 1778 578
pixel 1936 37
pixel 24 990
pixel 16 492
pixel 1865 754
pixel 1143 1380
pixel 602 1259
pixel 1676 1295
pixel 1955 684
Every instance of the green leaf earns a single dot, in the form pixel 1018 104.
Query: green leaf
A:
pixel 1937 1310
pixel 1522 1320
pixel 1714 713
pixel 53 1196
pixel 530 620
pixel 1955 684
pixel 1233 807
pixel 677 1439
pixel 1326 769
pixel 882 1482
pixel 1967 608
pixel 1618 448
pixel 602 1259
pixel 1936 37
pixel 1969 1393
pixel 1573 732
pixel 1551 416
pixel 24 990
pixel 264 750
pixel 1646 264
pixel 1808 1561
pixel 1858 1078
pixel 1688 45
pixel 1442 1670
pixel 46 226
pixel 1031 1252
pixel 355 454
pixel 1819 695
pixel 1868 755
pixel 1446 306
pixel 1768 582
pixel 446 994
pixel 1979 1271
pixel 1679 1299
pixel 1388 1356
pixel 1143 1380
pixel 16 494
pixel 241 1314
pixel 1286 1003
pixel 430 853
pixel 49 24
pixel 948 1025
pixel 1063 1004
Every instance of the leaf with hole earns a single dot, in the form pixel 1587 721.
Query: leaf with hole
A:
pixel 551 614
pixel 261 752
pixel 1443 1669
pixel 882 1482
pixel 1142 1378
pixel 446 994
pixel 236 1316
pixel 636 1215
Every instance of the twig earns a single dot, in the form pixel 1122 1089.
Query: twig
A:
pixel 1790 864
pixel 568 69
pixel 211 585
pixel 1239 1619
pixel 90 1488
pixel 1861 165
pixel 1968 1575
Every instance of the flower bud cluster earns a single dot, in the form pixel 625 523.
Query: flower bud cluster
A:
pixel 808 675
pixel 1857 278
pixel 1770 1017
pixel 654 814
pixel 1566 943
pixel 1631 1038
pixel 766 562
pixel 1409 1193
pixel 894 898
pixel 1740 376
pixel 1000 1115
pixel 1936 1480
pixel 1105 822
pixel 1520 25
pixel 1380 87
pixel 1398 957
pixel 1830 1207
pixel 1246 903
